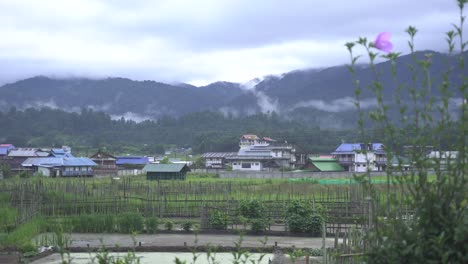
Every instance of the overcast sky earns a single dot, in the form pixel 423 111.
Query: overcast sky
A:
pixel 202 41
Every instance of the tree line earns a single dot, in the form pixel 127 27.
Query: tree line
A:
pixel 202 131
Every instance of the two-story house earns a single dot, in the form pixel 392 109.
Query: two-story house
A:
pixel 256 154
pixel 359 157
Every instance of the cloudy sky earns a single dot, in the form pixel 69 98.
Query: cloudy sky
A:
pixel 202 41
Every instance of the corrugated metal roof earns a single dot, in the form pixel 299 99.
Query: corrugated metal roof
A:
pixel 218 154
pixel 4 148
pixel 81 161
pixel 42 161
pixel 352 147
pixel 250 137
pixel 22 152
pixel 175 167
pixel 325 164
pixel 322 159
pixel 58 162
pixel 132 160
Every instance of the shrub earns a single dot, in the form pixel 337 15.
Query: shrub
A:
pixel 437 229
pixel 169 225
pixel 218 220
pixel 301 217
pixel 151 225
pixel 187 226
pixel 130 222
pixel 259 224
pixel 254 213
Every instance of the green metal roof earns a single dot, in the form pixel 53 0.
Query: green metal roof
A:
pixel 322 159
pixel 326 164
pixel 174 167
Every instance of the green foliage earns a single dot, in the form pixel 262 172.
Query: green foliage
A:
pixel 88 131
pixel 151 224
pixel 255 214
pixel 169 225
pixel 130 222
pixel 435 228
pixel 22 236
pixel 8 217
pixel 5 170
pixel 93 223
pixel 25 174
pixel 251 209
pixel 165 160
pixel 302 217
pixel 187 226
pixel 218 220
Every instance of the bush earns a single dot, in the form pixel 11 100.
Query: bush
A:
pixel 254 212
pixel 218 220
pixel 259 224
pixel 130 222
pixel 169 225
pixel 151 225
pixel 301 217
pixel 187 226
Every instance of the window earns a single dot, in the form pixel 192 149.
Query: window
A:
pixel 256 164
pixel 246 165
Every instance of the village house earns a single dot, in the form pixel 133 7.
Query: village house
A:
pixel 166 171
pixel 131 162
pixel 358 157
pixel 257 154
pixel 4 149
pixel 106 164
pixel 17 156
pixel 131 165
pixel 441 160
pixel 217 160
pixel 60 167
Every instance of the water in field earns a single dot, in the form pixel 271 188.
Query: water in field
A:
pixel 154 257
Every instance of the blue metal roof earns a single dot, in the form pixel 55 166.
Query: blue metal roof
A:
pixel 132 160
pixel 4 148
pixel 58 162
pixel 72 161
pixel 352 147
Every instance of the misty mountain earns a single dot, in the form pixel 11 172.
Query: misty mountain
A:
pixel 324 97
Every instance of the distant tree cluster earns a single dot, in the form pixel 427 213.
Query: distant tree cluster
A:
pixel 203 131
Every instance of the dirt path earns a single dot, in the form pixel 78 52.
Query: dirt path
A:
pixel 176 240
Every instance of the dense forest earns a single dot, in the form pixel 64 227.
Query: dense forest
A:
pixel 88 130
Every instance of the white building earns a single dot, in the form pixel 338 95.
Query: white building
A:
pixel 216 160
pixel 256 154
pixel 358 157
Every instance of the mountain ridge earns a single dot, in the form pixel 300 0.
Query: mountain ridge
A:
pixel 296 94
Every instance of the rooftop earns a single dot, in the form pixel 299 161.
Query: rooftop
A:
pixel 175 167
pixel 59 162
pixel 353 147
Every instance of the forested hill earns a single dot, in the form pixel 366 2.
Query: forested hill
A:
pixel 203 131
pixel 322 97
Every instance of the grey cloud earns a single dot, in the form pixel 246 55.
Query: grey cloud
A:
pixel 202 41
pixel 338 105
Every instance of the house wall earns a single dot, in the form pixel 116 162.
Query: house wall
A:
pixel 361 160
pixel 43 171
pixel 214 162
pixel 247 165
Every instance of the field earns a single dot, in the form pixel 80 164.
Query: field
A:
pixel 35 205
